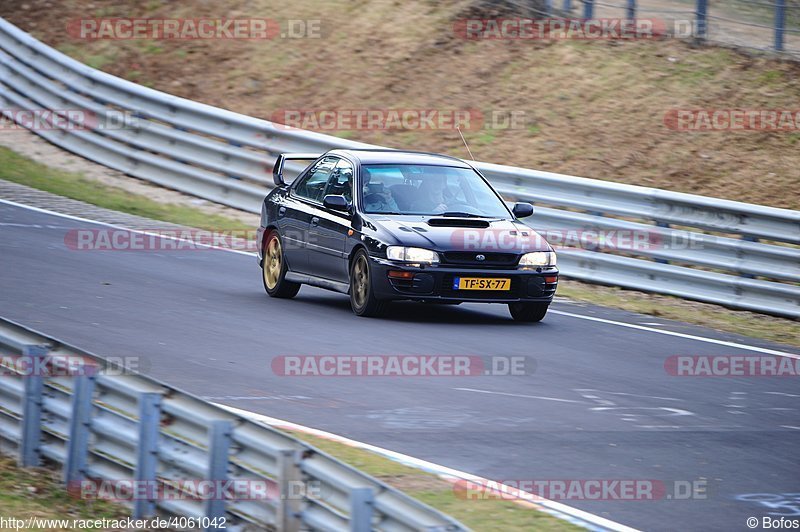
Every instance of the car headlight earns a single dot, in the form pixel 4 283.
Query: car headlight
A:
pixel 538 258
pixel 418 255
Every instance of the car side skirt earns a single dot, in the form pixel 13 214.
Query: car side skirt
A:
pixel 319 282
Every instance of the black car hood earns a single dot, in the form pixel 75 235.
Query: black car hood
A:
pixel 450 234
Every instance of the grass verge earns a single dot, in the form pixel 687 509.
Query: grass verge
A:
pixel 19 169
pixel 482 514
pixel 38 493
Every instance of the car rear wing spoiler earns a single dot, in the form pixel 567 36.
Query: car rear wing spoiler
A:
pixel 277 170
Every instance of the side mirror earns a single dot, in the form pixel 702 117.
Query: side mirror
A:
pixel 336 203
pixel 522 210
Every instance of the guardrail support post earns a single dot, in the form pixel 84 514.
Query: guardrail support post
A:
pixel 218 449
pixel 748 238
pixel 780 23
pixel 146 452
pixel 665 226
pixel 631 11
pixel 701 20
pixel 32 410
pixel 78 443
pixel 289 479
pixel 361 501
pixel 588 9
pixel 236 145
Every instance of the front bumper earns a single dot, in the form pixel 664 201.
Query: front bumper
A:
pixel 435 283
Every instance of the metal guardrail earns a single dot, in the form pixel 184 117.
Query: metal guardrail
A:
pixel 227 158
pixel 101 423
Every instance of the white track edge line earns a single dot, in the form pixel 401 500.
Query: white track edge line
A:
pixel 678 334
pixel 138 231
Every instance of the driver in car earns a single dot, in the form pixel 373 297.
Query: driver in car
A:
pixel 432 195
pixel 380 200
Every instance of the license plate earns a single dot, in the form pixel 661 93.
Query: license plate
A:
pixel 481 283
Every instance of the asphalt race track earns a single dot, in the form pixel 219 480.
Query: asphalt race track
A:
pixel 599 406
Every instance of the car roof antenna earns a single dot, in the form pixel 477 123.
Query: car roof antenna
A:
pixel 465 142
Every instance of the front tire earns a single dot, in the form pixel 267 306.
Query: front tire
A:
pixel 528 312
pixel 362 294
pixel 273 268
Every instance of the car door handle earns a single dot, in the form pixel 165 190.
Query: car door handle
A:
pixel 282 211
pixel 314 221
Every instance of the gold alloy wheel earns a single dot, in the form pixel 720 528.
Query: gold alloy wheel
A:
pixel 360 281
pixel 272 262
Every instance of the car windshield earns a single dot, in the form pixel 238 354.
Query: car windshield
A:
pixel 417 189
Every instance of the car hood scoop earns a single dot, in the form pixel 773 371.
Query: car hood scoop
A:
pixel 446 233
pixel 458 222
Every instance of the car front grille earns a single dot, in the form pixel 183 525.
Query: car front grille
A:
pixel 491 260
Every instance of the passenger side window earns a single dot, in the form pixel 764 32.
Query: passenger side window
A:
pixel 313 184
pixel 341 180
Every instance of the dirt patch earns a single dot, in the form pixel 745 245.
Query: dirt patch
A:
pixel 411 483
